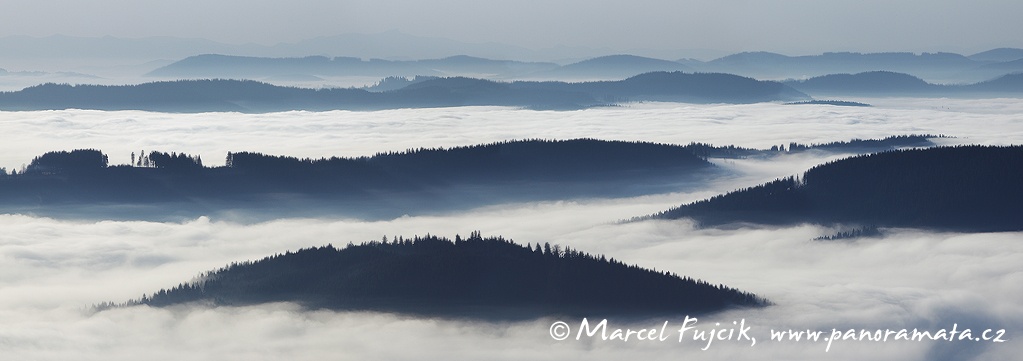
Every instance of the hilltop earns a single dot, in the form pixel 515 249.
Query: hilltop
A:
pixel 476 277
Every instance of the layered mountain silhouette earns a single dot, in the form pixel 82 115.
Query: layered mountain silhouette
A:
pixel 476 277
pixel 226 66
pixel 998 55
pixel 1011 66
pixel 112 57
pixel 841 62
pixel 1011 83
pixel 107 51
pixel 433 91
pixel 251 96
pixel 159 185
pixel 943 68
pixel 966 188
pixel 612 67
pixel 884 83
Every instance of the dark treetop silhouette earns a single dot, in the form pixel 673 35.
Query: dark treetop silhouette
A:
pixel 384 185
pixel 473 277
pixel 965 188
pixel 163 186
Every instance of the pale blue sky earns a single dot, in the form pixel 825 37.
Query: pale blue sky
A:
pixel 788 26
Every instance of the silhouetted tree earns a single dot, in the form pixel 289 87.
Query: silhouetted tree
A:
pixel 63 161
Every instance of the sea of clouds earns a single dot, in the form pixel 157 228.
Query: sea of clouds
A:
pixel 347 133
pixel 53 270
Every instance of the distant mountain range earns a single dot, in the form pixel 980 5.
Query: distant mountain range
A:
pixel 614 67
pixel 998 55
pixel 883 83
pixel 966 188
pixel 611 67
pixel 240 67
pixel 428 91
pixel 160 185
pixel 936 67
pixel 475 277
pixel 69 52
pixel 251 96
pixel 120 58
pixel 764 65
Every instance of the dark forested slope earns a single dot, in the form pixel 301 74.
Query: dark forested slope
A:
pixel 387 184
pixel 178 185
pixel 967 188
pixel 475 277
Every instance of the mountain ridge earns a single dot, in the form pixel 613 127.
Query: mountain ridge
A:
pixel 257 97
pixel 936 67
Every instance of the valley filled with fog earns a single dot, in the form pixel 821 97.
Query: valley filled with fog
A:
pixel 52 271
pixel 349 133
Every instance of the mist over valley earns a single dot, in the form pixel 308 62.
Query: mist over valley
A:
pixel 465 180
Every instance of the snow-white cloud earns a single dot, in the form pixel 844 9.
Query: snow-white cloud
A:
pixel 51 270
pixel 345 133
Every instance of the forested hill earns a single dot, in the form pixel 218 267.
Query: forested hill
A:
pixel 967 188
pixel 476 277
pixel 384 185
pixel 250 96
pixel 173 186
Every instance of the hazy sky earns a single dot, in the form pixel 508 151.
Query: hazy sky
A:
pixel 787 26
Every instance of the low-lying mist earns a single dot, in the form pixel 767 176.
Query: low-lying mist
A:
pixel 344 133
pixel 54 270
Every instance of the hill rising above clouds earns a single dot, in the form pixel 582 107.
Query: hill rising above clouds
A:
pixel 966 188
pixel 81 183
pixel 251 96
pixel 476 277
pixel 159 185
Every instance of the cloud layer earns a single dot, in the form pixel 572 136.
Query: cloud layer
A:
pixel 52 270
pixel 344 133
